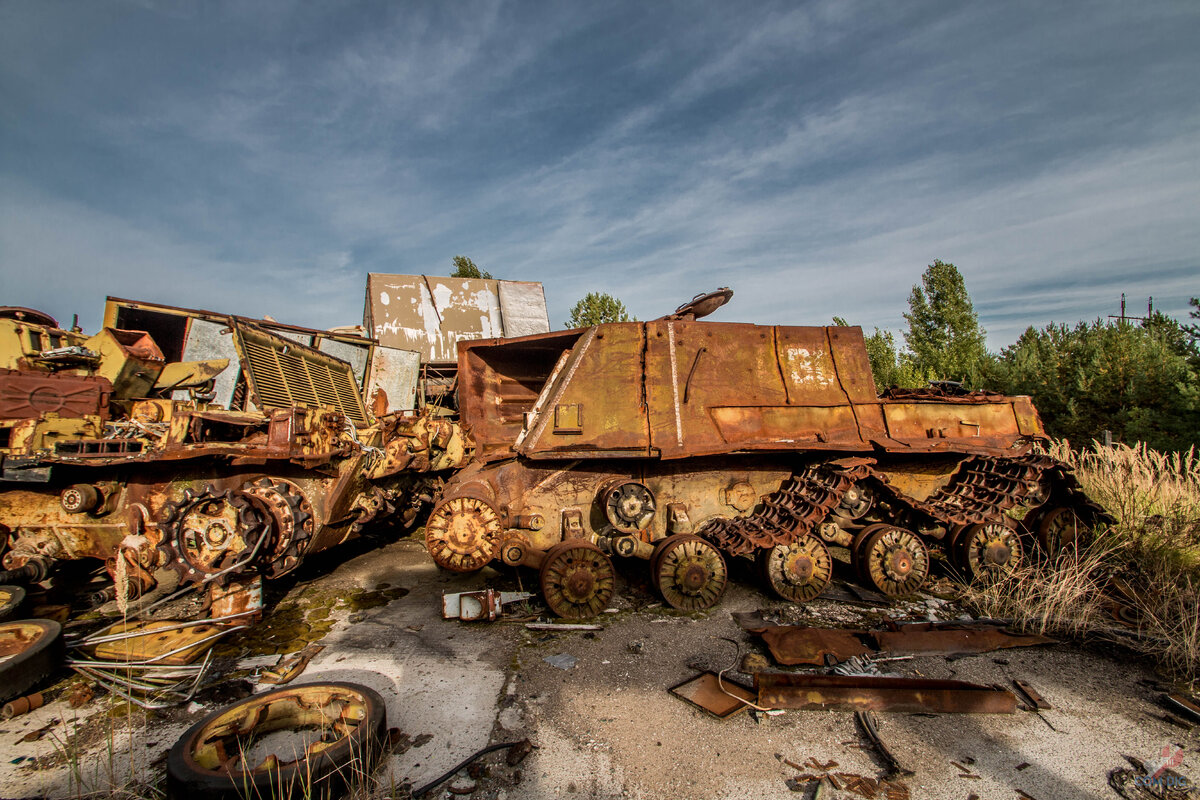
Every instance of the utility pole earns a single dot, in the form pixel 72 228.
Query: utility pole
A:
pixel 1124 318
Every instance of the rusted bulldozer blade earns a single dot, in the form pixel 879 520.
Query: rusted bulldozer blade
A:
pixel 934 639
pixel 866 721
pixel 868 693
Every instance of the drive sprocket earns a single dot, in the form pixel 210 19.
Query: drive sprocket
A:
pixel 207 532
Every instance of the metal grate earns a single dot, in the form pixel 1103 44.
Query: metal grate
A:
pixel 282 373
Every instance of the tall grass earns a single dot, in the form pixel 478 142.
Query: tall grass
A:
pixel 1145 568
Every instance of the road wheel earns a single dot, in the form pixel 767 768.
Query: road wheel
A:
pixel 989 550
pixel 799 571
pixel 689 572
pixel 892 560
pixel 315 740
pixel 577 579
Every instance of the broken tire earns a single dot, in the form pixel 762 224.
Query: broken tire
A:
pixel 30 650
pixel 339 731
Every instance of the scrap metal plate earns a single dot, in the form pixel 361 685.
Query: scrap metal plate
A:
pixel 704 691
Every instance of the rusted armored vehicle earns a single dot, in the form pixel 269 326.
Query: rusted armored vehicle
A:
pixel 684 442
pixel 109 451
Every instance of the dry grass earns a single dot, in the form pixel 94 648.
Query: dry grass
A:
pixel 1148 562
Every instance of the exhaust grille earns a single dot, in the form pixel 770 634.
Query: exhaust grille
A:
pixel 281 373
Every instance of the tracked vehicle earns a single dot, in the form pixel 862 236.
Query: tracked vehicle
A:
pixel 111 452
pixel 684 442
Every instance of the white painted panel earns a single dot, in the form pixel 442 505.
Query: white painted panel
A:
pixel 205 341
pixel 396 372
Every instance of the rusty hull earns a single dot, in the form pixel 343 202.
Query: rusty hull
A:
pixel 676 389
pixel 869 693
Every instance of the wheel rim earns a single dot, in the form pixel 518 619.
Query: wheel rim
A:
pixel 1059 528
pixel 799 571
pixel 283 740
pixel 577 580
pixel 462 534
pixel 689 572
pixel 991 549
pixel 894 561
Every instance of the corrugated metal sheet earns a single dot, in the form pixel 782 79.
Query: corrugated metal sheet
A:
pixel 432 314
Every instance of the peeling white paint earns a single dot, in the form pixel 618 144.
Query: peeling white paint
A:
pixel 432 314
pixel 809 367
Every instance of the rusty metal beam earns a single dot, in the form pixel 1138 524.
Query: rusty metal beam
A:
pixel 868 693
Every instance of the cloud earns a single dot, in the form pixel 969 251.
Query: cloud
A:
pixel 264 157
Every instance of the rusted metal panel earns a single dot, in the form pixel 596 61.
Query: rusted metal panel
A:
pixel 198 335
pixel 28 395
pixel 395 372
pixel 868 693
pixel 700 388
pixel 500 382
pixel 792 645
pixel 927 638
pixel 282 375
pixel 950 421
pixel 431 314
pixel 594 401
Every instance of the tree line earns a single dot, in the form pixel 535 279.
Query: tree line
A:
pixel 1138 379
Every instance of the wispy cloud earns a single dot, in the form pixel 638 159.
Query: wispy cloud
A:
pixel 263 157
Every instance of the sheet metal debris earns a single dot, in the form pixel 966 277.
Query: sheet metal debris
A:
pixel 1184 703
pixel 290 666
pixel 792 645
pixel 1031 696
pixel 714 694
pixel 473 606
pixel 562 661
pixel 870 693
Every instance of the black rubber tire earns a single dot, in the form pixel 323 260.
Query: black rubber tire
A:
pixel 325 776
pixel 23 670
pixel 11 598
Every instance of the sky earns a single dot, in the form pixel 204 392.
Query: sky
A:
pixel 260 158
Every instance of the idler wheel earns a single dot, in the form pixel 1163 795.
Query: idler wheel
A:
pixel 891 560
pixel 988 550
pixel 463 534
pixel 689 572
pixel 1061 527
pixel 799 571
pixel 577 579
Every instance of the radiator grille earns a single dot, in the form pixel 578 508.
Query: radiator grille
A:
pixel 282 373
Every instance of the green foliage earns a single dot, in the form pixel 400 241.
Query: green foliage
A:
pixel 595 309
pixel 889 366
pixel 1193 330
pixel 944 335
pixel 1140 381
pixel 466 268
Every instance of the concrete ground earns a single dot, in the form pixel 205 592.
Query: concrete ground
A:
pixel 607 726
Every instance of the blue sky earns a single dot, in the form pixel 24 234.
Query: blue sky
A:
pixel 261 157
